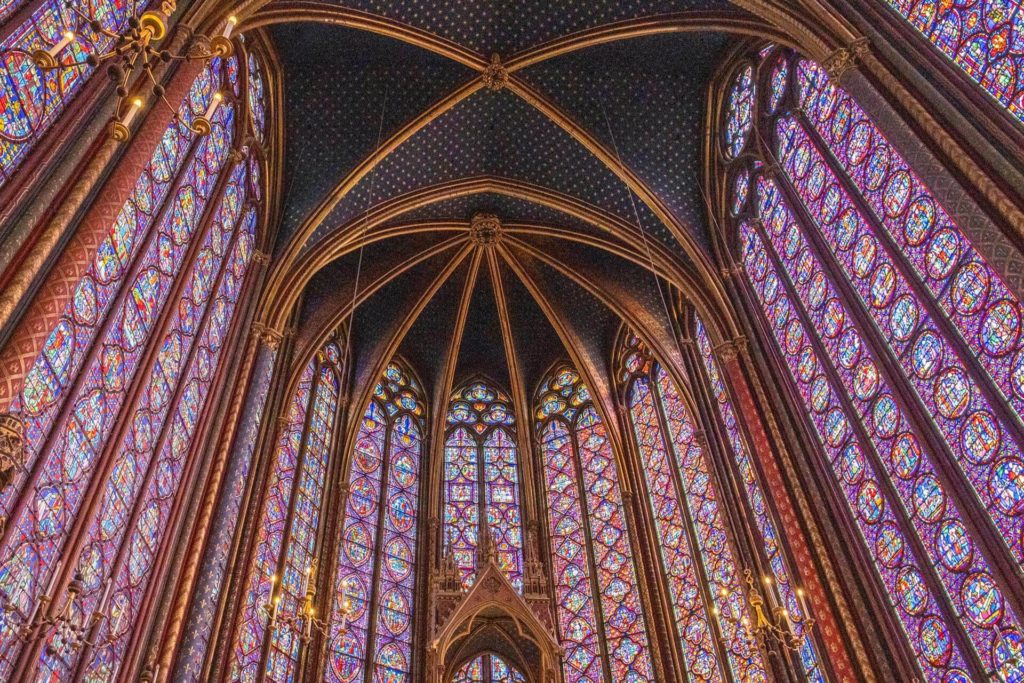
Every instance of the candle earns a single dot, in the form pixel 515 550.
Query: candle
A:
pixel 769 590
pixel 217 97
pixel 107 585
pixel 65 40
pixel 230 26
pixel 51 587
pixel 801 597
pixel 132 112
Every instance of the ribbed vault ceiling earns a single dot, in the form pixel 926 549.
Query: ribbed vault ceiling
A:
pixel 590 158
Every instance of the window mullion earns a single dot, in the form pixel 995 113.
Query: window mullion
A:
pixel 691 532
pixel 369 653
pixel 595 588
pixel 870 450
pixel 981 377
pixel 286 534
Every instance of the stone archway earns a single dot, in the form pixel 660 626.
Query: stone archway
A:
pixel 489 618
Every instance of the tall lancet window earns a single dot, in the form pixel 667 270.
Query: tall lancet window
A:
pixel 489 668
pixel 905 347
pixel 782 577
pixel 376 572
pixel 601 623
pixel 283 569
pixel 481 480
pixel 112 405
pixel 695 549
pixel 983 38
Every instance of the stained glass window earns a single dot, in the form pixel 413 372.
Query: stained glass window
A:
pixel 373 600
pixel 481 480
pixel 739 112
pixel 284 563
pixel 31 99
pixel 94 422
pixel 983 38
pixel 782 582
pixel 695 549
pixel 489 668
pixel 903 345
pixel 600 620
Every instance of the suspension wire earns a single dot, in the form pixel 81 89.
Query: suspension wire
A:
pixel 640 226
pixel 362 234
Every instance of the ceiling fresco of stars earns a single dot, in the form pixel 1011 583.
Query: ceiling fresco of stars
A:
pixel 345 91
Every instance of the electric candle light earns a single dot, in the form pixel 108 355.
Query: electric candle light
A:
pixel 229 26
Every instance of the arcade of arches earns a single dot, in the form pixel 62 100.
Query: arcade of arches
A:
pixel 512 342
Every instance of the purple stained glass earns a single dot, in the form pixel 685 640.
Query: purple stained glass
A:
pixel 250 632
pixel 894 559
pixel 906 462
pixel 983 38
pixel 481 481
pixel 739 112
pixel 383 495
pixel 931 362
pixel 31 99
pixel 584 504
pixel 300 552
pixel 78 439
pixel 762 517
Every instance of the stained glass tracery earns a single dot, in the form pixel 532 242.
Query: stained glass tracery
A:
pixel 378 582
pixel 868 285
pixel 31 99
pixel 179 223
pixel 593 567
pixel 489 668
pixel 683 496
pixel 481 480
pixel 983 38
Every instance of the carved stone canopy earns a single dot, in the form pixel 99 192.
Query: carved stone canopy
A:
pixel 492 617
pixel 12 448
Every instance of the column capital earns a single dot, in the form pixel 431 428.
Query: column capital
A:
pixel 843 60
pixel 729 351
pixel 267 335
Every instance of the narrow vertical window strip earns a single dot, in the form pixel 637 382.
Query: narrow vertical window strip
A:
pixel 41 527
pixel 938 655
pixel 712 535
pixel 136 448
pixel 939 524
pixel 982 38
pixel 300 554
pixel 257 98
pixel 196 638
pixel 577 621
pixel 68 344
pixel 31 99
pixel 745 466
pixel 251 629
pixel 501 498
pixel 986 314
pixel 461 508
pixel 135 574
pixel 393 649
pixel 933 366
pixel 625 627
pixel 358 553
pixel 677 557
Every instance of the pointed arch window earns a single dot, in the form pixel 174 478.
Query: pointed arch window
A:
pixel 489 668
pixel 983 38
pixel 766 526
pixel 112 405
pixel 376 569
pixel 284 565
pixel 600 619
pixel 903 343
pixel 481 480
pixel 695 551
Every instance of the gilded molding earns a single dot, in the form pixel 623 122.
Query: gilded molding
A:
pixel 841 61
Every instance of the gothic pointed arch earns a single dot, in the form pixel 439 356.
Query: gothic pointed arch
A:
pixel 899 338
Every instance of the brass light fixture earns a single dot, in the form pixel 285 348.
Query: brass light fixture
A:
pixel 135 50
pixel 304 620
pixel 769 620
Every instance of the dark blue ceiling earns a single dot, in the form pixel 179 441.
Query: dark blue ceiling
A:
pixel 508 27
